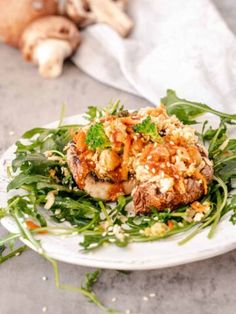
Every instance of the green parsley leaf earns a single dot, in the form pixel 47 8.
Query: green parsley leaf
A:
pixel 147 127
pixel 96 137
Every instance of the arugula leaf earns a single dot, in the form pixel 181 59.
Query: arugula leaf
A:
pixel 222 150
pixel 232 206
pixel 93 113
pixel 35 131
pixel 2 249
pixel 113 108
pixel 34 163
pixel 91 279
pixel 147 127
pixel 187 110
pixel 22 179
pixel 96 137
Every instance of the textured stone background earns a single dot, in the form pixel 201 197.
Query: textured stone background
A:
pixel 204 287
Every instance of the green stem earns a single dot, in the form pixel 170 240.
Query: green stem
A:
pixel 13 253
pixel 215 218
pixel 212 143
pixel 220 206
pixel 62 115
pixel 224 160
pixel 58 153
pixel 103 208
pixel 25 232
pixel 9 238
pixel 90 295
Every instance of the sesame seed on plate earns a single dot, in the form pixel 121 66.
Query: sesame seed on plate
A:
pixel 145 298
pixel 113 299
pixel 127 312
pixel 44 278
pixel 152 295
pixel 44 309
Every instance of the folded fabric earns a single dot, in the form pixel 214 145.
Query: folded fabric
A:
pixel 182 45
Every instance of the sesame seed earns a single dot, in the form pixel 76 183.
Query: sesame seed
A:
pixel 44 278
pixel 57 211
pixel 127 312
pixel 112 240
pixel 62 219
pixel 44 309
pixel 146 167
pixel 11 133
pixel 152 295
pixel 149 157
pixel 74 233
pixel 153 170
pixel 113 300
pixel 92 245
pixel 145 298
pixel 17 254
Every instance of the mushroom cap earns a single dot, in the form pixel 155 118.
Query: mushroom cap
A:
pixel 50 27
pixel 15 15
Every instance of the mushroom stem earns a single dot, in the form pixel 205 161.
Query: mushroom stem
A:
pixel 49 54
pixel 78 12
pixel 107 11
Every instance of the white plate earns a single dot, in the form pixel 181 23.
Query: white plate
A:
pixel 136 256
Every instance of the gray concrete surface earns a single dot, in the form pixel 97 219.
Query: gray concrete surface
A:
pixel 204 287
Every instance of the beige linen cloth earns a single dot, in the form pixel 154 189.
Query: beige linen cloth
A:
pixel 180 44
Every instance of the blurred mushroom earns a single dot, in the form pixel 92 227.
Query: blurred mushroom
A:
pixel 122 4
pixel 85 12
pixel 16 15
pixel 78 11
pixel 48 41
pixel 107 11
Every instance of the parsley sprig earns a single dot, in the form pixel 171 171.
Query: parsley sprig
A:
pixel 147 127
pixel 96 137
